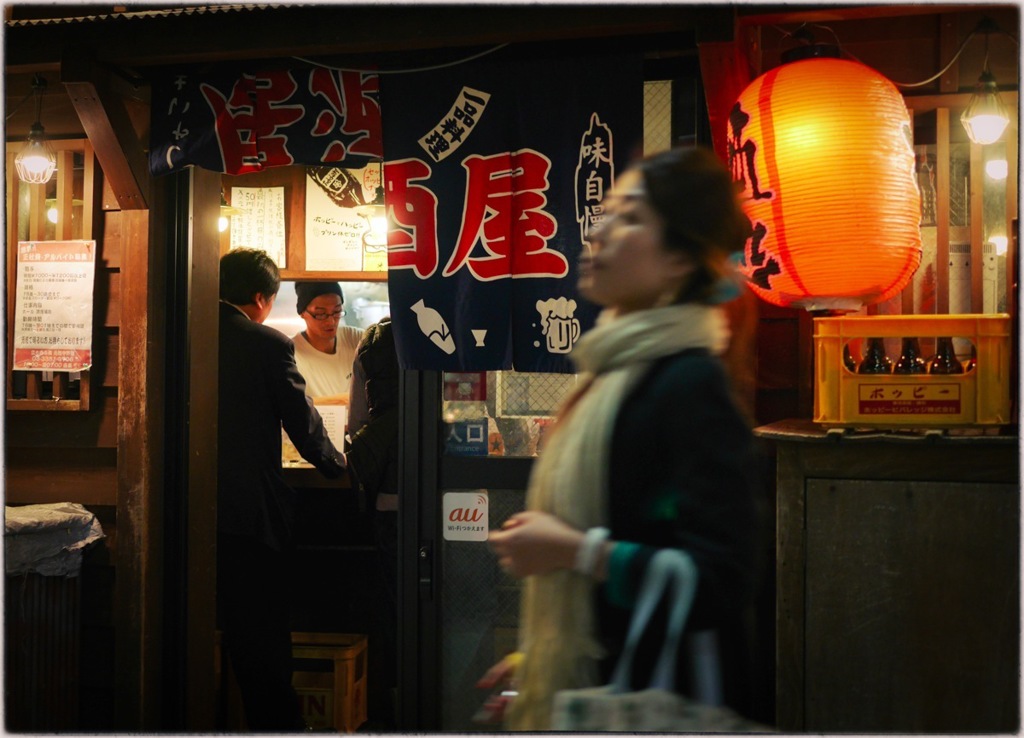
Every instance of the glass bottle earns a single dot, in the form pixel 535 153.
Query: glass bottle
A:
pixel 973 361
pixel 875 361
pixel 910 361
pixel 848 360
pixel 945 361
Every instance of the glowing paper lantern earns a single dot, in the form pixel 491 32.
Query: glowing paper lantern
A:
pixel 823 149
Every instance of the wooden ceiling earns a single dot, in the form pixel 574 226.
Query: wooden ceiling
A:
pixel 131 42
pixel 128 42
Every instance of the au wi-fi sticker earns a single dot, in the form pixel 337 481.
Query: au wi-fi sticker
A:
pixel 465 516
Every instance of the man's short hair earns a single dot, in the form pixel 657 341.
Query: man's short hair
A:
pixel 246 272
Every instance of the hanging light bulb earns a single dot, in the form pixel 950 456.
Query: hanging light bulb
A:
pixel 376 236
pixel 36 161
pixel 226 211
pixel 985 117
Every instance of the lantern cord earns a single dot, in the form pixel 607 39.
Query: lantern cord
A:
pixel 403 71
pixel 985 26
pixel 937 74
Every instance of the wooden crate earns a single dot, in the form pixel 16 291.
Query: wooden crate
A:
pixel 334 697
pixel 329 679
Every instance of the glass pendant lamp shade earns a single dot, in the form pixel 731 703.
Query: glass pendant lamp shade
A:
pixel 985 116
pixel 821 149
pixel 36 161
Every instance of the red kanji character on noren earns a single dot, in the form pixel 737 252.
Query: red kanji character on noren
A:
pixel 359 114
pixel 414 244
pixel 247 122
pixel 505 199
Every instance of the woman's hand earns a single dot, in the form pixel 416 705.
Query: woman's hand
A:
pixel 499 678
pixel 533 542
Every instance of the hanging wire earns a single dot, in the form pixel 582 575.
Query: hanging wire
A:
pixel 985 26
pixel 38 84
pixel 403 71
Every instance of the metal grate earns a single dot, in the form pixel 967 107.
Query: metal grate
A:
pixel 526 394
pixel 480 612
pixel 959 186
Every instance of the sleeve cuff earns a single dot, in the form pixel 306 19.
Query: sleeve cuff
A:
pixel 617 586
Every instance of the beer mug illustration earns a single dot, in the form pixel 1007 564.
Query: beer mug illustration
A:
pixel 558 325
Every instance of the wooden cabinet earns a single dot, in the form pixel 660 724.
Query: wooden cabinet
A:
pixel 898 581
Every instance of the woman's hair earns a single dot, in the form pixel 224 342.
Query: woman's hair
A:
pixel 245 272
pixel 693 193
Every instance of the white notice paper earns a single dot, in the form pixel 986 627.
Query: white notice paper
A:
pixel 335 421
pixel 261 225
pixel 53 305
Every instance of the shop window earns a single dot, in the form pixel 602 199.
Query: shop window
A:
pixel 61 209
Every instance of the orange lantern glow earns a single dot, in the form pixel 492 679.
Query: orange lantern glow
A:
pixel 823 150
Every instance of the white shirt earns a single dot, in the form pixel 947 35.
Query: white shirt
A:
pixel 328 374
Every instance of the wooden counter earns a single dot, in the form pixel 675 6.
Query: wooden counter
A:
pixel 307 477
pixel 898 580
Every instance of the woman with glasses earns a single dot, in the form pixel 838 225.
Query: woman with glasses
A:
pixel 326 349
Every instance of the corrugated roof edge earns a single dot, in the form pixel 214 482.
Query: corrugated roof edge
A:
pixel 138 14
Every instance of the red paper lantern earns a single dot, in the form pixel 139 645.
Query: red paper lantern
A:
pixel 823 149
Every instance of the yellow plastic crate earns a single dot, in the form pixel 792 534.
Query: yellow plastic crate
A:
pixel 979 397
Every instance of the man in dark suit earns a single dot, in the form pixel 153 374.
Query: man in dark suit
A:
pixel 260 389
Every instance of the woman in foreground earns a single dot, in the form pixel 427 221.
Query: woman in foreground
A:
pixel 649 452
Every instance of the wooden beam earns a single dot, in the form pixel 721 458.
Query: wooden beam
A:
pixel 977 206
pixel 240 32
pixel 942 175
pixel 140 581
pixel 203 333
pixel 784 14
pixel 108 127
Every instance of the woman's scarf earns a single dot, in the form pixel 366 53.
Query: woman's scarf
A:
pixel 570 481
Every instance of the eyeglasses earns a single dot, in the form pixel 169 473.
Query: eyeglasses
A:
pixel 336 315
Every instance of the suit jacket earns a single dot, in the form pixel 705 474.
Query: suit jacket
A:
pixel 260 388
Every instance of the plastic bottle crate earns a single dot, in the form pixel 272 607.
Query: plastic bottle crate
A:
pixel 976 398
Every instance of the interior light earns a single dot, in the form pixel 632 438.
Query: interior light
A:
pixel 226 211
pixel 985 117
pixel 997 168
pixel 376 236
pixel 36 161
pixel 1001 244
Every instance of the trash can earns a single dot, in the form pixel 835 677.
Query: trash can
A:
pixel 43 547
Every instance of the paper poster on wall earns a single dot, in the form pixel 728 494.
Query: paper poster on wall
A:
pixel 335 421
pixel 53 305
pixel 465 516
pixel 261 224
pixel 334 225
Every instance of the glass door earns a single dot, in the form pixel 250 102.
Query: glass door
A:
pixel 468 456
